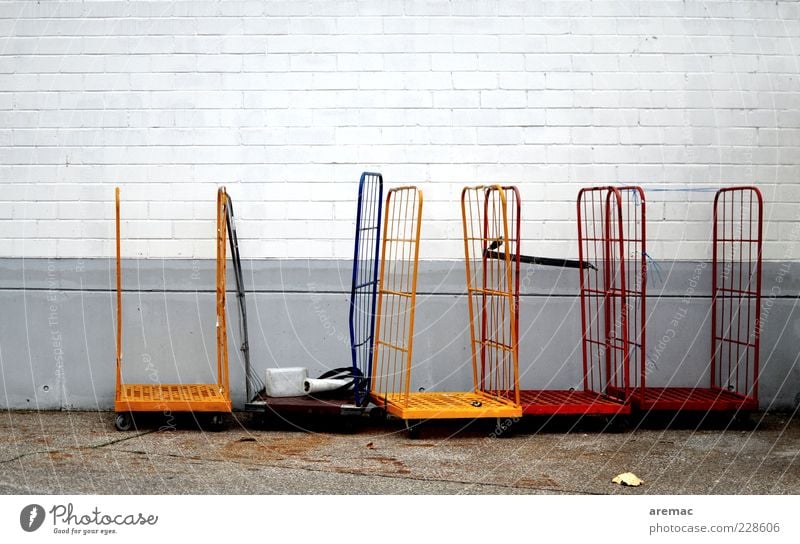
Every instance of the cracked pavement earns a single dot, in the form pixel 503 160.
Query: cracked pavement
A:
pixel 81 453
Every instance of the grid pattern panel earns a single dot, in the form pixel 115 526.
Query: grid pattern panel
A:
pixel 700 399
pixel 173 397
pixel 604 303
pixel 429 405
pixel 736 303
pixel 490 218
pixel 363 293
pixel 634 243
pixel 394 327
pixel 570 402
pixel 172 392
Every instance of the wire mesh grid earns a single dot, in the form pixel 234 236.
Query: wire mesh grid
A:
pixel 611 239
pixel 394 326
pixel 363 293
pixel 491 251
pixel 634 241
pixel 736 302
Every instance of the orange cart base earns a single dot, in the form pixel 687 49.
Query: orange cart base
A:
pixel 570 403
pixel 172 397
pixel 692 399
pixel 447 406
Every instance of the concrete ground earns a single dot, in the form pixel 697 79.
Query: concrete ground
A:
pixel 80 452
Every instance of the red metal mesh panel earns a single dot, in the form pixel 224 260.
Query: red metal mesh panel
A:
pixel 611 240
pixel 634 240
pixel 736 302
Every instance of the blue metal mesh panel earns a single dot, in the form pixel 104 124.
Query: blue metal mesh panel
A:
pixel 365 281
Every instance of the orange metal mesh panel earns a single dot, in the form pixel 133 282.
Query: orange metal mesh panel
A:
pixel 394 326
pixel 173 397
pixel 457 405
pixel 171 392
pixel 491 251
pixel 222 322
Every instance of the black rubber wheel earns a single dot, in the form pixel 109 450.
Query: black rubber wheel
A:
pixel 262 420
pixel 377 414
pixel 743 421
pixel 123 421
pixel 348 425
pixel 504 427
pixel 413 428
pixel 216 423
pixel 617 424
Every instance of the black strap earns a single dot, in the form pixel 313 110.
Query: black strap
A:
pixel 545 261
pixel 240 297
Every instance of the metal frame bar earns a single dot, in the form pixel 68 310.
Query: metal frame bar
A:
pixel 222 321
pixel 118 387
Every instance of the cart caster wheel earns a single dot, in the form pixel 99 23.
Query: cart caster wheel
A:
pixel 268 420
pixel 743 422
pixel 123 421
pixel 377 414
pixel 413 428
pixel 504 427
pixel 216 423
pixel 617 424
pixel 348 425
pixel 262 421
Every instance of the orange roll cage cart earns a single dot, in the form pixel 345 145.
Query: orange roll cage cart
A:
pixel 612 276
pixel 492 324
pixel 212 399
pixel 731 383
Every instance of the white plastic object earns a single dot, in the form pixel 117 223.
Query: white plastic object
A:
pixel 316 385
pixel 285 382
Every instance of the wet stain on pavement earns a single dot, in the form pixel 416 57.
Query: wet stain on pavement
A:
pixel 539 482
pixel 274 449
pixel 399 466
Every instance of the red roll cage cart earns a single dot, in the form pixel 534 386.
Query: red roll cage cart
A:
pixel 612 302
pixel 733 370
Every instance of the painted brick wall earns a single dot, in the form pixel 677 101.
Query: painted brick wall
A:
pixel 287 102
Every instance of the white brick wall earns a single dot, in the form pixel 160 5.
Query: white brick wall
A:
pixel 287 102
